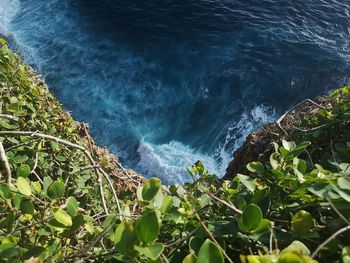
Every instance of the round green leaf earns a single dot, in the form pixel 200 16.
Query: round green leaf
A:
pixel 151 188
pixel 190 258
pixel 152 251
pixel 27 207
pixel 56 190
pixel 5 191
pixel 297 247
pixel 346 255
pixel 62 217
pixel 255 167
pixel 24 170
pixel 302 222
pixel 210 253
pixel 290 257
pixel 344 183
pixel 247 181
pixel 263 226
pixel 36 186
pixel 167 203
pixel 147 228
pixel 251 217
pixel 125 238
pixel 24 186
pixel 34 252
pixel 72 206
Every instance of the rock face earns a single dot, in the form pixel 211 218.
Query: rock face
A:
pixel 258 145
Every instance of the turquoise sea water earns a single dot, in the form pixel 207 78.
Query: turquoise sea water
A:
pixel 166 83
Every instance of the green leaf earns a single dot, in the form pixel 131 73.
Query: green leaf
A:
pixel 346 255
pixel 47 181
pixel 251 217
pixel 5 191
pixel 125 238
pixel 263 226
pixel 147 227
pixel 36 186
pixel 56 190
pixel 152 251
pixel 204 200
pixel 27 207
pixel 151 188
pixel 344 183
pixel 210 253
pixel 110 219
pixel 24 186
pixel 256 167
pixel 72 206
pixel 24 170
pixel 62 217
pixel 299 148
pixel 10 220
pixel 297 247
pixel 319 189
pixel 302 222
pixel 300 164
pixel 34 252
pixel 288 145
pixel 167 203
pixel 247 181
pixel 78 221
pixel 259 195
pixel 290 257
pixel 344 194
pixel 190 258
pixel 274 161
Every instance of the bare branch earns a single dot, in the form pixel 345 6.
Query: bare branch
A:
pixel 339 214
pixel 8 117
pixel 4 164
pixel 225 203
pixel 298 105
pixel 68 144
pixel 212 237
pixel 340 231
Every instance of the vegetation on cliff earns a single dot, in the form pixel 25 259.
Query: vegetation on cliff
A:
pixel 62 199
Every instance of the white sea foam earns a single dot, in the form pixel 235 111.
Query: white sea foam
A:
pixel 237 132
pixel 8 10
pixel 169 161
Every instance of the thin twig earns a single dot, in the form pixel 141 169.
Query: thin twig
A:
pixel 271 237
pixel 339 214
pixel 113 190
pixel 77 171
pixel 35 166
pixel 315 128
pixel 298 105
pixel 310 158
pixel 182 239
pixel 22 144
pixel 4 164
pixel 225 203
pixel 340 231
pixel 68 144
pixel 8 117
pixel 212 237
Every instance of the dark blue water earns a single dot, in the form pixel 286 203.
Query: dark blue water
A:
pixel 164 83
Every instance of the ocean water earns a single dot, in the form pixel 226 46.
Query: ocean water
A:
pixel 166 83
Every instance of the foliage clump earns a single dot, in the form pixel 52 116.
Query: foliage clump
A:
pixel 59 202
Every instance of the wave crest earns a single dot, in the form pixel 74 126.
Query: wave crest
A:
pixel 169 161
pixel 8 10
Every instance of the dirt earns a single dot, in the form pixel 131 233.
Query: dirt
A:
pixel 259 145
